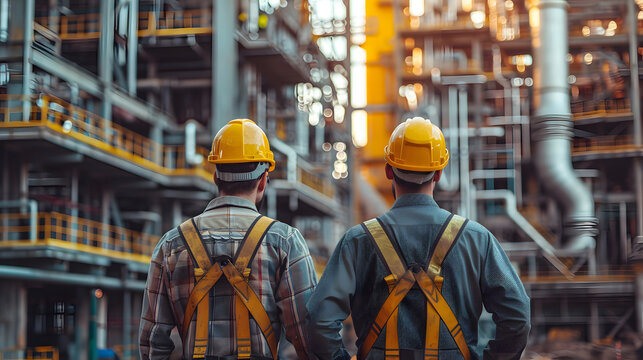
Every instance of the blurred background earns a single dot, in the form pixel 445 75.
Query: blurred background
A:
pixel 108 109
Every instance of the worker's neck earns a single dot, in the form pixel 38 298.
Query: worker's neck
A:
pixel 251 196
pixel 426 189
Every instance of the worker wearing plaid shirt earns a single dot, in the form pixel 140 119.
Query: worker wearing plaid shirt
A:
pixel 282 275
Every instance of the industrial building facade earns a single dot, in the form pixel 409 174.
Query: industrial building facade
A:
pixel 107 110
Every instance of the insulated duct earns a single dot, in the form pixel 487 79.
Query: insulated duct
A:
pixel 552 125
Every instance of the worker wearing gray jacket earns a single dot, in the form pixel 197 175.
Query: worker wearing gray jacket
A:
pixel 418 274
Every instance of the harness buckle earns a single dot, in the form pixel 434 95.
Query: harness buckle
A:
pixel 222 259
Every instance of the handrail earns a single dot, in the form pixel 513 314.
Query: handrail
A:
pixel 76 233
pixel 168 23
pixel 583 109
pixel 608 143
pixel 92 129
pixel 36 353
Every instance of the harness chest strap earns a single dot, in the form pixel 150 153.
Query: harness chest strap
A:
pixel 394 263
pixel 237 276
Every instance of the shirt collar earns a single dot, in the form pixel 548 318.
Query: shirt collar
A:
pixel 230 201
pixel 414 200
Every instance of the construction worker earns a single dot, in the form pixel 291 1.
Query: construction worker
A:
pixel 229 279
pixel 415 279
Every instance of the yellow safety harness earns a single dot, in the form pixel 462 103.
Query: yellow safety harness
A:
pixel 237 271
pixel 402 279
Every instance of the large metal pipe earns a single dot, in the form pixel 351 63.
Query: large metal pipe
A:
pixel 552 126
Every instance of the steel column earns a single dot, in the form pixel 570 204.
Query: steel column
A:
pixel 132 46
pixel 26 55
pixel 635 101
pixel 463 117
pixel 106 60
pixel 127 323
pixel 224 64
pixel 73 197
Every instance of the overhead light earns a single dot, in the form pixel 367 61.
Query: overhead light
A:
pixel 416 7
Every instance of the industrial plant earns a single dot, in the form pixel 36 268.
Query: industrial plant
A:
pixel 108 109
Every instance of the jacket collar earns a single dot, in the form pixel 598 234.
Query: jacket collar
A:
pixel 222 201
pixel 414 200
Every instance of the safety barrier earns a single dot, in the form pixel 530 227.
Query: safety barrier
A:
pixel 605 144
pixel 126 352
pixel 173 23
pixel 586 109
pixel 66 231
pixel 84 126
pixel 74 26
pixel 316 182
pixel 168 23
pixel 36 353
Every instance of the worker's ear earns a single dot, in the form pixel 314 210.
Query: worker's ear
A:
pixel 263 180
pixel 216 181
pixel 389 171
pixel 437 175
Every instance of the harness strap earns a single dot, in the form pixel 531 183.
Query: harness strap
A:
pixel 242 261
pixel 202 264
pixel 207 275
pixel 446 238
pixel 392 301
pixel 200 292
pixel 194 244
pixel 396 267
pixel 252 303
pixel 394 262
pixel 434 297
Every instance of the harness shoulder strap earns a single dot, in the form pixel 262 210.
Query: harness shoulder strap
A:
pixel 248 248
pixel 194 244
pixel 385 248
pixel 447 236
pixel 245 304
pixel 395 264
pixel 450 232
pixel 206 276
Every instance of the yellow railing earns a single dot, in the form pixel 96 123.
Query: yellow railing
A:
pixel 132 351
pixel 80 234
pixel 585 109
pixel 605 144
pixel 316 182
pixel 74 26
pixel 37 353
pixel 90 128
pixel 168 23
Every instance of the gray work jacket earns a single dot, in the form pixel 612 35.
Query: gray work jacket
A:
pixel 476 272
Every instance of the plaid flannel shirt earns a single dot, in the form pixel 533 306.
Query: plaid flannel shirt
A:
pixel 282 275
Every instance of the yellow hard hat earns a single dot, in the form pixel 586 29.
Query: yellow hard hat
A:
pixel 417 145
pixel 241 141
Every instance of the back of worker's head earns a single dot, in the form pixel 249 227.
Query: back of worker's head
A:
pixel 416 154
pixel 242 156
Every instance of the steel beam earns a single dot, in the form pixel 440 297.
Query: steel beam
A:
pixel 56 277
pixel 86 81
